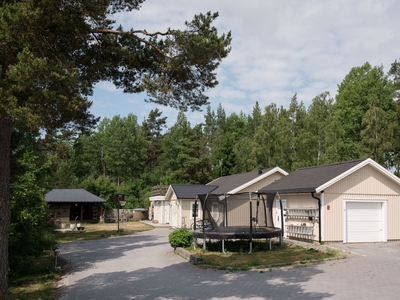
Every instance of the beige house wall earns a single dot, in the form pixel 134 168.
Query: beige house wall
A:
pixel 238 211
pixel 185 218
pixel 366 183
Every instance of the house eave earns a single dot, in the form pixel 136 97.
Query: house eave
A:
pixel 362 164
pixel 258 178
pixel 288 191
pixel 157 198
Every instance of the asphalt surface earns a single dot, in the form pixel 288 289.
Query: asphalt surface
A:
pixel 144 266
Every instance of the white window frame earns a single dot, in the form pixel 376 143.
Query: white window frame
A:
pixel 215 212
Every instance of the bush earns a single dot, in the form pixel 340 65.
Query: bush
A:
pixel 181 237
pixel 28 236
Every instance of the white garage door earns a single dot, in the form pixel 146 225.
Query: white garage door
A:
pixel 364 222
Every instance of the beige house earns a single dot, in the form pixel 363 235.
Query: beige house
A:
pixel 354 201
pixel 177 206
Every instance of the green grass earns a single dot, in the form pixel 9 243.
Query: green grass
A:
pixel 37 282
pixel 237 255
pixel 102 230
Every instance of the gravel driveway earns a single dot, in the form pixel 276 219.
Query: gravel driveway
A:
pixel 143 266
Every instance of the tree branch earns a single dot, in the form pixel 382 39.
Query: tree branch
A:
pixel 132 34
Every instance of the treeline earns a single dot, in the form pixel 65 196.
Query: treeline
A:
pixel 127 157
pixel 123 156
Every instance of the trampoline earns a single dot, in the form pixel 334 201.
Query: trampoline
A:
pixel 238 210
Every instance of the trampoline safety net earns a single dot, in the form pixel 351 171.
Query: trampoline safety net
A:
pixel 238 216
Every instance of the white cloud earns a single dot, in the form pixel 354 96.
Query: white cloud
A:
pixel 106 86
pixel 279 48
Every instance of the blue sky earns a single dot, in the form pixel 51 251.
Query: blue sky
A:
pixel 279 48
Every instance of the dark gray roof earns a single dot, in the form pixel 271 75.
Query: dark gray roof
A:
pixel 190 191
pixel 231 182
pixel 307 179
pixel 72 195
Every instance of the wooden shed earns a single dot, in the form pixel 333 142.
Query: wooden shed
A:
pixel 66 205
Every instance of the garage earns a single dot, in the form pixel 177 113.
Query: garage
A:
pixel 355 201
pixel 364 222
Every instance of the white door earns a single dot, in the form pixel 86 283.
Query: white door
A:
pixel 166 212
pixel 278 222
pixel 157 211
pixel 174 220
pixel 364 222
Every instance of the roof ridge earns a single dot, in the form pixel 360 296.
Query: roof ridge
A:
pixel 334 164
pixel 264 169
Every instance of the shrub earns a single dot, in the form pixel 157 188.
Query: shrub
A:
pixel 181 237
pixel 28 237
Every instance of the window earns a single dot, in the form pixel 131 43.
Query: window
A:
pixel 215 212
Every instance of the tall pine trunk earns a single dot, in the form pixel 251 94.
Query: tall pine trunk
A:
pixel 5 151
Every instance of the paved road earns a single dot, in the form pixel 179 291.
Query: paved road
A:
pixel 143 266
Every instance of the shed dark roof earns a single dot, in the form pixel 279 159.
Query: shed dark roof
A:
pixel 228 183
pixel 72 195
pixel 305 180
pixel 190 191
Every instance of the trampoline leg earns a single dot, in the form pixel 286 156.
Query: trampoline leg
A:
pixel 194 243
pixel 204 245
pixel 223 246
pixel 251 247
pixel 270 246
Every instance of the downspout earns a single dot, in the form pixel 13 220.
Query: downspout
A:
pixel 280 204
pixel 319 217
pixel 226 211
pixel 251 225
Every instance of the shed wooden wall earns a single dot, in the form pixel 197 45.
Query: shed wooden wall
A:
pixel 60 211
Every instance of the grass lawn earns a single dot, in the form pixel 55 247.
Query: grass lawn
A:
pixel 103 230
pixel 39 282
pixel 237 255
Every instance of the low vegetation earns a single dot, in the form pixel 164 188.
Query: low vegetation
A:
pixel 102 230
pixel 237 255
pixel 39 280
pixel 181 237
